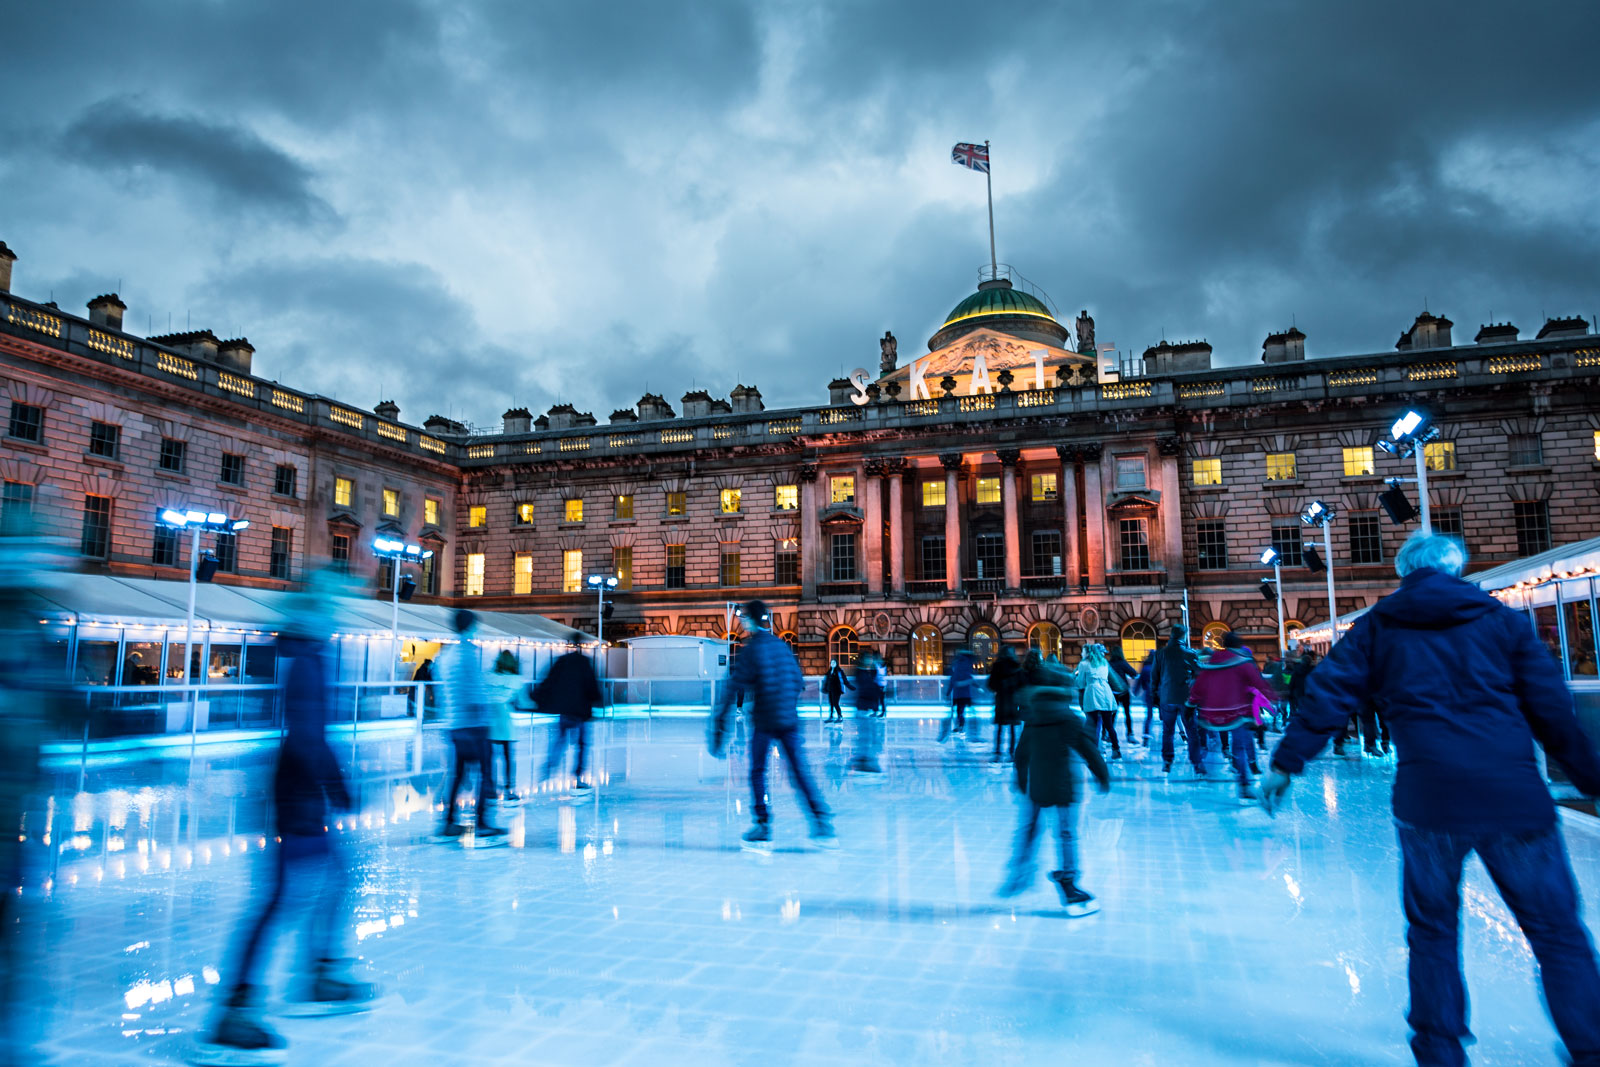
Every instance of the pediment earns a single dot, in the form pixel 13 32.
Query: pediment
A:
pixel 1135 503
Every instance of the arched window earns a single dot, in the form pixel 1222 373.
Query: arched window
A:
pixel 788 638
pixel 844 645
pixel 927 650
pixel 1211 636
pixel 1291 625
pixel 1138 641
pixel 1045 639
pixel 984 640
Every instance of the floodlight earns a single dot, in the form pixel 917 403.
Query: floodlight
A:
pixel 1269 591
pixel 595 579
pixel 427 553
pixel 413 550
pixel 1270 557
pixel 1313 558
pixel 217 518
pixel 611 583
pixel 1317 513
pixel 1395 503
pixel 408 586
pixel 238 524
pixel 194 516
pixel 173 517
pixel 1406 425
pixel 206 566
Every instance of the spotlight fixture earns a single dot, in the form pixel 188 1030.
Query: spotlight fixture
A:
pixel 1317 513
pixel 1269 592
pixel 1313 558
pixel 1270 557
pixel 1396 504
pixel 206 566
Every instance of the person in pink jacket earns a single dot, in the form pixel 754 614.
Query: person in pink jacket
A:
pixel 1228 694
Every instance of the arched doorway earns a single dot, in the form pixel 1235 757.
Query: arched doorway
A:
pixel 927 650
pixel 984 640
pixel 1211 636
pixel 844 645
pixel 1138 641
pixel 1045 639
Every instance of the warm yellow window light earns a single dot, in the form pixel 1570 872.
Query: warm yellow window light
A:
pixel 624 508
pixel 474 585
pixel 525 514
pixel 1280 467
pixel 524 573
pixel 1043 487
pixel 842 489
pixel 933 494
pixel 430 511
pixel 988 490
pixel 730 501
pixel 1358 461
pixel 786 497
pixel 1440 455
pixel 391 502
pixel 344 492
pixel 1208 471
pixel 677 504
pixel 478 515
pixel 574 510
pixel 572 570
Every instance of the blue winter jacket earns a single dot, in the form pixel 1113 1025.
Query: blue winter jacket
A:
pixel 1465 686
pixel 766 672
pixel 308 778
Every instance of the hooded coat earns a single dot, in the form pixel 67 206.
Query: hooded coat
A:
pixel 1225 689
pixel 1051 733
pixel 1466 687
pixel 1094 680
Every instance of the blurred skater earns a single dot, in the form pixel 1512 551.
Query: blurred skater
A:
pixel 465 702
pixel 1231 699
pixel 764 669
pixel 501 738
pixel 833 685
pixel 571 690
pixel 309 873
pixel 958 691
pixel 1047 778
pixel 1170 678
pixel 1005 679
pixel 1122 676
pixel 1468 686
pixel 869 699
pixel 1099 701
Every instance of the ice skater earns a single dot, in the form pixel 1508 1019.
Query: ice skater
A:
pixel 1047 778
pixel 571 690
pixel 765 670
pixel 1005 679
pixel 869 698
pixel 834 683
pixel 958 691
pixel 1175 666
pixel 1096 696
pixel 1230 697
pixel 466 703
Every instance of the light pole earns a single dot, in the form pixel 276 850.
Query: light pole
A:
pixel 194 520
pixel 398 552
pixel 1317 513
pixel 1408 436
pixel 600 583
pixel 1271 558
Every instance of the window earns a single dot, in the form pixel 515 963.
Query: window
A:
pixel 1133 542
pixel 728 568
pixel 933 568
pixel 344 492
pixel 386 575
pixel 1046 552
pixel 430 511
pixel 989 553
pixel 522 573
pixel 1211 636
pixel 164 552
pixel 842 557
pixel 844 646
pixel 677 503
pixel 104 439
pixel 1042 487
pixel 1208 471
pixel 430 574
pixel 340 553
pixel 524 514
pixel 1440 455
pixel 572 570
pixel 572 510
pixel 227 550
pixel 786 497
pixel 478 515
pixel 391 502
pixel 283 479
pixel 282 550
pixel 474 585
pixel 1130 472
pixel 173 453
pixel 1138 641
pixel 933 494
pixel 16 508
pixel 622 506
pixel 984 641
pixel 96 540
pixel 927 650
pixel 988 490
pixel 1448 521
pixel 677 568
pixel 1211 543
pixel 786 565
pixel 1597 444
pixel 27 422
pixel 232 469
pixel 1281 467
pixel 1286 539
pixel 1533 526
pixel 622 565
pixel 842 489
pixel 730 502
pixel 1045 639
pixel 1366 539
pixel 1527 450
pixel 1358 462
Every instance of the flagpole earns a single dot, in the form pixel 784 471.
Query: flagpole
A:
pixel 988 182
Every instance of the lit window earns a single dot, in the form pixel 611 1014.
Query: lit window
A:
pixel 1043 488
pixel 391 502
pixel 988 490
pixel 1597 444
pixel 787 497
pixel 574 511
pixel 1208 471
pixel 1138 641
pixel 1045 639
pixel 572 570
pixel 842 489
pixel 728 571
pixel 430 511
pixel 1440 455
pixel 927 650
pixel 1211 637
pixel 933 494
pixel 525 514
pixel 624 506
pixel 1130 472
pixel 677 504
pixel 730 504
pixel 844 646
pixel 1358 461
pixel 522 568
pixel 478 515
pixel 1280 467
pixel 622 565
pixel 474 574
pixel 344 492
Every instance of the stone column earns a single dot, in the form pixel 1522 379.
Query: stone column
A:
pixel 872 524
pixel 1094 508
pixel 952 520
pixel 1069 514
pixel 1008 506
pixel 896 469
pixel 810 532
pixel 1171 512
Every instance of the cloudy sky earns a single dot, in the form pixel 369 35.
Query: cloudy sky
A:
pixel 467 205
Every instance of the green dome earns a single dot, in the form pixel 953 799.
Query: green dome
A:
pixel 997 300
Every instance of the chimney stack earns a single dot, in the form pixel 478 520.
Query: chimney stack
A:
pixel 387 409
pixel 696 404
pixel 517 420
pixel 652 406
pixel 106 310
pixel 1286 347
pixel 1429 331
pixel 747 398
pixel 1495 333
pixel 1576 326
pixel 236 355
pixel 7 257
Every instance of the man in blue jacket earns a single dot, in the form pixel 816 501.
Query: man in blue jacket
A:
pixel 764 669
pixel 1467 688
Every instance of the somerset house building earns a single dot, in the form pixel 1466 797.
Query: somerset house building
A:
pixel 997 487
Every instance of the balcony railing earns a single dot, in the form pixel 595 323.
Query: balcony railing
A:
pixel 1044 584
pixel 928 587
pixel 1137 579
pixel 983 586
pixel 850 589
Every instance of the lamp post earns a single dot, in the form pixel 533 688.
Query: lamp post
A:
pixel 1408 436
pixel 1317 513
pixel 600 583
pixel 1270 557
pixel 397 552
pixel 194 520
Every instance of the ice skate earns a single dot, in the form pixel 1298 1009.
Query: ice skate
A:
pixel 822 835
pixel 1017 880
pixel 1077 902
pixel 758 838
pixel 333 990
pixel 1247 793
pixel 487 837
pixel 239 1038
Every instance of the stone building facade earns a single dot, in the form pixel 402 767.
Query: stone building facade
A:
pixel 996 489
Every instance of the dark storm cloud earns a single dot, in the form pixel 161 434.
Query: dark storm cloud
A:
pixel 228 161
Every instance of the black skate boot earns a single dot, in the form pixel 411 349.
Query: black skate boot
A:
pixel 333 990
pixel 1077 902
pixel 238 1037
pixel 758 838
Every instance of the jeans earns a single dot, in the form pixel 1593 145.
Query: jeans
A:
pixel 789 741
pixel 1535 880
pixel 510 780
pixel 1125 699
pixel 1104 725
pixel 308 873
pixel 1011 741
pixel 834 711
pixel 1170 715
pixel 1028 836
pixel 472 746
pixel 1239 744
pixel 568 731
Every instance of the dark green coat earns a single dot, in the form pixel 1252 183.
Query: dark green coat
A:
pixel 1051 733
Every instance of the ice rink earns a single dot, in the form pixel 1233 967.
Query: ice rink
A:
pixel 627 926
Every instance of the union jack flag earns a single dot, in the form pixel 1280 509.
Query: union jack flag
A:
pixel 975 156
